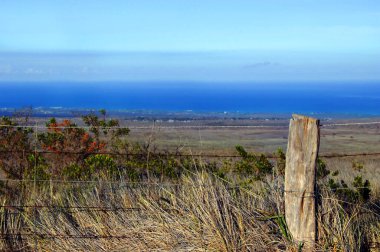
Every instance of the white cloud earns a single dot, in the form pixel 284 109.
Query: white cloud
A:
pixel 261 64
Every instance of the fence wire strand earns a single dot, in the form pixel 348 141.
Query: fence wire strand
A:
pixel 174 154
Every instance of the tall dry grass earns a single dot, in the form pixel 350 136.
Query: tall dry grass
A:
pixel 198 213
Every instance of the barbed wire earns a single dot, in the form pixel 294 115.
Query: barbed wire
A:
pixel 160 184
pixel 349 124
pixel 96 182
pixel 115 209
pixel 174 154
pixel 22 237
pixel 57 207
pixel 63 236
pixel 349 155
pixel 143 127
pixel 66 209
pixel 84 152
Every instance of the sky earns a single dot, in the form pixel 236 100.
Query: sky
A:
pixel 200 40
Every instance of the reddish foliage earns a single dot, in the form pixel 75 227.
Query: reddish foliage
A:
pixel 65 136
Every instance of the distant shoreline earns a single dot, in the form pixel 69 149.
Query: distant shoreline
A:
pixel 143 114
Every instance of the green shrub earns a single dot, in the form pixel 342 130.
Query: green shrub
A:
pixel 342 191
pixel 107 127
pixel 38 169
pixel 251 164
pixel 100 163
pixel 322 170
pixel 363 189
pixel 14 143
pixel 73 171
pixel 357 166
pixel 281 161
pixel 335 173
pixel 223 170
pixel 360 192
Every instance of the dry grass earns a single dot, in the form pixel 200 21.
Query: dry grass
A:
pixel 203 213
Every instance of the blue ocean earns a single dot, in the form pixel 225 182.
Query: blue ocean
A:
pixel 326 98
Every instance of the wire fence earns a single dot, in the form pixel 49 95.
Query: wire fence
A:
pixel 73 209
pixel 176 154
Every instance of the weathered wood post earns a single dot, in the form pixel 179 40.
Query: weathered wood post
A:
pixel 300 176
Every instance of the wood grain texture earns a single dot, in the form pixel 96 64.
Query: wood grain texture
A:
pixel 300 176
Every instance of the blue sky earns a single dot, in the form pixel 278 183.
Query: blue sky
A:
pixel 205 40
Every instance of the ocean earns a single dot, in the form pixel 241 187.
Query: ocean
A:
pixel 309 98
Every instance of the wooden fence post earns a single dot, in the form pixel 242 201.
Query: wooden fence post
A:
pixel 300 176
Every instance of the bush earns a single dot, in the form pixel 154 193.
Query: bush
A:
pixel 107 127
pixel 360 192
pixel 73 172
pixel 357 166
pixel 250 164
pixel 322 170
pixel 281 161
pixel 71 145
pixel 100 163
pixel 15 145
pixel 38 169
pixel 363 189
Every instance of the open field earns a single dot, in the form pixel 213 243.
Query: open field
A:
pixel 339 139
